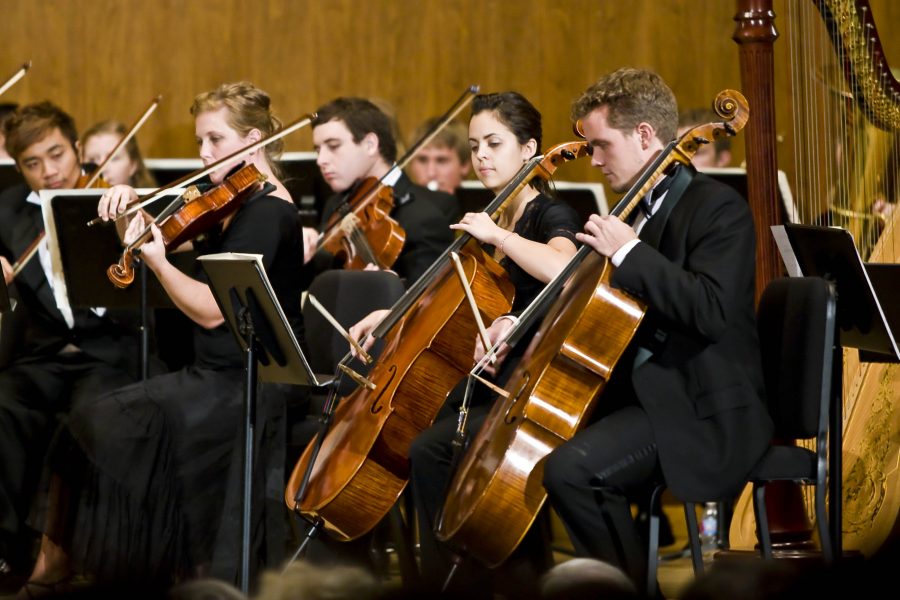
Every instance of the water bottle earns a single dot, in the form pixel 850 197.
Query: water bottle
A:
pixel 709 524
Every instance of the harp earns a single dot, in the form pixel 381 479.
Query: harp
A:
pixel 846 108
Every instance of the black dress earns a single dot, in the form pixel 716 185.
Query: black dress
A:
pixel 430 454
pixel 153 468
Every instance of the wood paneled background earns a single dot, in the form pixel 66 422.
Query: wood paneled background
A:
pixel 107 58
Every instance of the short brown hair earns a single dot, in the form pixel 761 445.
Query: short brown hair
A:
pixel 31 123
pixel 632 96
pixel 361 117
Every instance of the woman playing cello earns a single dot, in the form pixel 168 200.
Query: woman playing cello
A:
pixel 143 476
pixel 534 240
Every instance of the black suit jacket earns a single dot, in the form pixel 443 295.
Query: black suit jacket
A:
pixel 37 328
pixel 420 212
pixel 702 388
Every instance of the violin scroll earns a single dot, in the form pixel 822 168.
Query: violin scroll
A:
pixel 121 274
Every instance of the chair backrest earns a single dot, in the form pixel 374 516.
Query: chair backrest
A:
pixel 796 321
pixel 348 296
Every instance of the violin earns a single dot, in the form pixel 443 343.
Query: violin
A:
pixel 365 232
pixel 190 216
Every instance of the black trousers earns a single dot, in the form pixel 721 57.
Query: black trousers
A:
pixel 31 395
pixel 592 480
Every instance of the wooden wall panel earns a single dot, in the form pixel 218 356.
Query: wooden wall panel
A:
pixel 108 58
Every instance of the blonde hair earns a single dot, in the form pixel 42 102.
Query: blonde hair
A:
pixel 632 96
pixel 142 177
pixel 248 108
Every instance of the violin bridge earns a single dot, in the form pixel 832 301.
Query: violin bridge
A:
pixel 191 193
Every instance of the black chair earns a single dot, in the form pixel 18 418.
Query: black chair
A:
pixel 796 325
pixel 348 296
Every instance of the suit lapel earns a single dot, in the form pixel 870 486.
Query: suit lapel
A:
pixel 652 231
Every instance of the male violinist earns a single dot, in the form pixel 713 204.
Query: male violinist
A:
pixel 354 141
pixel 684 405
pixel 50 360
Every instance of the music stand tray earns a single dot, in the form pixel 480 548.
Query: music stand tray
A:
pixel 241 286
pixel 829 252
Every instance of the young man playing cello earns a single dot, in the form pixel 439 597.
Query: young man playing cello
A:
pixel 684 404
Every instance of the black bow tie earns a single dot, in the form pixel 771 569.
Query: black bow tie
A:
pixel 647 202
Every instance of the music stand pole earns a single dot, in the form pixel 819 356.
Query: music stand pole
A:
pixel 245 328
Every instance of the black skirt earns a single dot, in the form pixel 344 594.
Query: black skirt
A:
pixel 153 470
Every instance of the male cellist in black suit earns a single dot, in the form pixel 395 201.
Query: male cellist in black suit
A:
pixel 49 360
pixel 685 403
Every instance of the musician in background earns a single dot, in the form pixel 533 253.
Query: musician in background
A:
pixel 443 163
pixel 147 478
pixel 684 404
pixel 716 154
pixel 127 166
pixel 7 110
pixel 533 240
pixel 51 359
pixel 353 140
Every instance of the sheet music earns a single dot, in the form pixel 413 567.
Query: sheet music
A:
pixel 786 251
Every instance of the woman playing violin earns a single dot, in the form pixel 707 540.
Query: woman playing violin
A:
pixel 127 166
pixel 144 474
pixel 533 240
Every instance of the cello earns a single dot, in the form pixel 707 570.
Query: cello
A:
pixel 358 470
pixel 553 389
pixel 364 231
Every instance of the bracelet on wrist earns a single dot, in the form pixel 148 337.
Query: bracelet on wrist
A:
pixel 509 235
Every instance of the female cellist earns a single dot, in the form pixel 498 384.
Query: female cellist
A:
pixel 143 474
pixel 533 240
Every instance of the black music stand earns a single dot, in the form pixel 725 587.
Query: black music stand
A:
pixel 271 351
pixel 829 252
pixel 82 255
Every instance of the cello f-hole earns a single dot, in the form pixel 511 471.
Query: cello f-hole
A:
pixel 376 403
pixel 510 418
